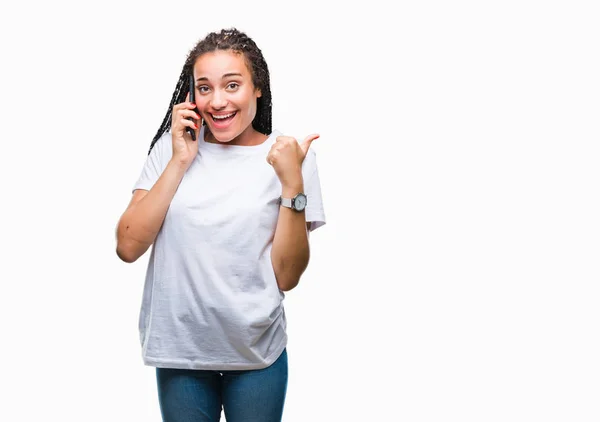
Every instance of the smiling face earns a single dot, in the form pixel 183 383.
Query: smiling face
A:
pixel 226 97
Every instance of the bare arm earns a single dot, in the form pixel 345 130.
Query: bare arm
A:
pixel 144 216
pixel 290 252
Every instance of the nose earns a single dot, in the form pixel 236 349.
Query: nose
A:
pixel 218 100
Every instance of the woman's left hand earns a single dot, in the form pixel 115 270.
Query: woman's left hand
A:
pixel 286 157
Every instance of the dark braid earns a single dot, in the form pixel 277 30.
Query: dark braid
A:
pixel 227 39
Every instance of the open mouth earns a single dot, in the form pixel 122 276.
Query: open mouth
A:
pixel 223 120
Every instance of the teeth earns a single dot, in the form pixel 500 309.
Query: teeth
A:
pixel 222 117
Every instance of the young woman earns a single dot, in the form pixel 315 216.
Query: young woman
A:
pixel 228 211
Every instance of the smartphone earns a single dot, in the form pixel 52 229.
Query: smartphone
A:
pixel 192 100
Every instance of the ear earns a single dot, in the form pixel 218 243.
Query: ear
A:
pixel 258 93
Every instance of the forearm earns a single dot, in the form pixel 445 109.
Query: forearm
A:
pixel 139 225
pixel 290 252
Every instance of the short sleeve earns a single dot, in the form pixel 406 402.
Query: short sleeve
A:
pixel 155 163
pixel 314 211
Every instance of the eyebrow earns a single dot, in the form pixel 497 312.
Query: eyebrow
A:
pixel 227 75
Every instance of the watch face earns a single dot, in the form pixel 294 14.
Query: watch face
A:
pixel 300 202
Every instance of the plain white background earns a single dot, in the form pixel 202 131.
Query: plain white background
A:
pixel 457 277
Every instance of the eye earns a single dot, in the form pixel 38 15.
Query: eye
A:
pixel 232 85
pixel 202 89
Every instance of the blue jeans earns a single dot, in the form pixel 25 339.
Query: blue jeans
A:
pixel 188 395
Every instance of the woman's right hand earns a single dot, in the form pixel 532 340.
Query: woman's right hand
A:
pixel 184 148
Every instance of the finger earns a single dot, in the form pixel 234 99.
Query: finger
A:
pixel 185 104
pixel 272 156
pixel 188 123
pixel 283 139
pixel 188 113
pixel 305 145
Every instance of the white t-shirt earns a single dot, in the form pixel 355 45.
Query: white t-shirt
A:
pixel 210 299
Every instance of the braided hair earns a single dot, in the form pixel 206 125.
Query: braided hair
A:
pixel 226 39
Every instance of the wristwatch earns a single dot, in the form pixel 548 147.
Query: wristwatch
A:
pixel 297 203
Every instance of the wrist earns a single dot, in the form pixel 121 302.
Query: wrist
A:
pixel 292 181
pixel 179 164
pixel 289 190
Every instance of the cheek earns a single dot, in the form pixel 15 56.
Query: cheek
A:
pixel 252 108
pixel 202 103
pixel 246 99
pixel 253 102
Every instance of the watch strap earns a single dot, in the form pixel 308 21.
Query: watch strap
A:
pixel 286 202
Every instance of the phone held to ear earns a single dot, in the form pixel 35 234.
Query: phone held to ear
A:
pixel 192 100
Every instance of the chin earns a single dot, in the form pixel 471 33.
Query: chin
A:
pixel 224 137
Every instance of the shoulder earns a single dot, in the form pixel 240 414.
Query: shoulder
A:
pixel 162 145
pixel 165 139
